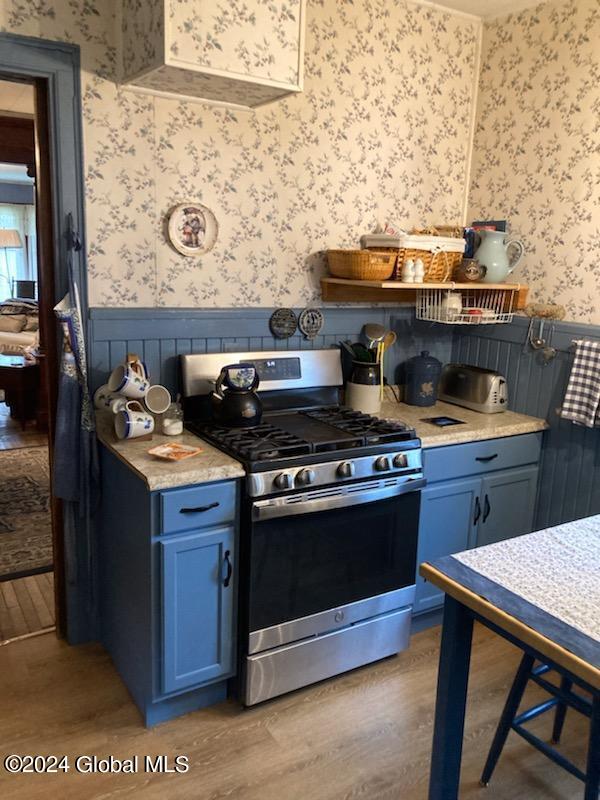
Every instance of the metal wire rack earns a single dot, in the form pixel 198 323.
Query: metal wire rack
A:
pixel 453 306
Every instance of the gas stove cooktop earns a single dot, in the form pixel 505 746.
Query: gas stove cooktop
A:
pixel 301 437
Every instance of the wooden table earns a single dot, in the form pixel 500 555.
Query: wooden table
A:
pixel 19 379
pixel 542 593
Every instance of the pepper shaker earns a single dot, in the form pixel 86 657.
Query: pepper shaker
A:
pixel 419 271
pixel 408 271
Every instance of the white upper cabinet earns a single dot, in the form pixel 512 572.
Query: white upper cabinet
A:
pixel 241 52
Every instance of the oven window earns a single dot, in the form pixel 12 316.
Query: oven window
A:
pixel 304 564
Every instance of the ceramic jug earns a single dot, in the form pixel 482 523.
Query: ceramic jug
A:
pixel 492 253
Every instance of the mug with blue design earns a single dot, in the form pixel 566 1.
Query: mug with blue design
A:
pixel 133 421
pixel 129 380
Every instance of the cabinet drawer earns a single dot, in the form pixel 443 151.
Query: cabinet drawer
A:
pixel 475 458
pixel 198 507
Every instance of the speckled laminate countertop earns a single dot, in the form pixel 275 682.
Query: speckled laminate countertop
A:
pixel 478 426
pixel 209 465
pixel 213 465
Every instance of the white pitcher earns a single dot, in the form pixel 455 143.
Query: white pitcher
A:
pixel 492 253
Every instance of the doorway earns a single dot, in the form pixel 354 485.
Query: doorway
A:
pixel 27 516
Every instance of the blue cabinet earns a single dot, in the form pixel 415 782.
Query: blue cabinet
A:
pixel 507 504
pixel 167 589
pixel 490 497
pixel 446 526
pixel 198 609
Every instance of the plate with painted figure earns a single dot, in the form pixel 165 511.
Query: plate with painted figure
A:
pixel 192 229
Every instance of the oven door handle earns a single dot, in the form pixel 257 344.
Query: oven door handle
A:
pixel 266 509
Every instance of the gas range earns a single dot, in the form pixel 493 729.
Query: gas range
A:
pixel 298 449
pixel 329 519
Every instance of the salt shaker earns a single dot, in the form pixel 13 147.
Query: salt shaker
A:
pixel 419 271
pixel 408 271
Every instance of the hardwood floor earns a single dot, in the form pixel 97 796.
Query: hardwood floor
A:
pixel 26 605
pixel 362 736
pixel 11 435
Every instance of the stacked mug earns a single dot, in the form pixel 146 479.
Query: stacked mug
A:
pixel 130 396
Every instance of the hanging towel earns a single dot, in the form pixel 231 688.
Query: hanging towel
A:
pixel 582 398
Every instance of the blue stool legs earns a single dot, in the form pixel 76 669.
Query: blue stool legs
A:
pixel 508 714
pixel 561 711
pixel 592 781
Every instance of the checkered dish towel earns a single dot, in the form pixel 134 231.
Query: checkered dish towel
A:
pixel 582 398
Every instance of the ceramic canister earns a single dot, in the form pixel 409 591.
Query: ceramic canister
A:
pixel 422 380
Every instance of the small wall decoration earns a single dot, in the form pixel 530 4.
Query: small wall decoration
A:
pixel 192 229
pixel 283 323
pixel 310 322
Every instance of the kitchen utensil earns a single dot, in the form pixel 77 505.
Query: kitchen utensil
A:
pixel 157 399
pixel 348 348
pixel 422 378
pixel 234 401
pixel 128 380
pixel 373 333
pixel 133 421
pixel 476 388
pixel 361 353
pixel 492 253
pixel 389 339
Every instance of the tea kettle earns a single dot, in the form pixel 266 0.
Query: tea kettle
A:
pixel 234 401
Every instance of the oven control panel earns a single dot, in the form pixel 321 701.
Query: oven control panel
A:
pixel 334 472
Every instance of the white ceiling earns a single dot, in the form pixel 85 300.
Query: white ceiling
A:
pixel 16 98
pixel 14 173
pixel 489 8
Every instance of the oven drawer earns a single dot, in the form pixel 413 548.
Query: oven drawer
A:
pixel 291 666
pixel 198 507
pixel 475 458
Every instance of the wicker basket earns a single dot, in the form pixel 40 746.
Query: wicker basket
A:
pixel 439 254
pixel 362 265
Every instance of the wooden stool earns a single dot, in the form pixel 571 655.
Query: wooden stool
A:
pixel 562 697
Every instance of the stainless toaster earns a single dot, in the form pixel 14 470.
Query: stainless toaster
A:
pixel 474 387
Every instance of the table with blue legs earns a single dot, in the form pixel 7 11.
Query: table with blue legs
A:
pixel 542 593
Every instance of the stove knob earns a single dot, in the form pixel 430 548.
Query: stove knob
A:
pixel 382 464
pixel 305 477
pixel 400 460
pixel 345 469
pixel 283 481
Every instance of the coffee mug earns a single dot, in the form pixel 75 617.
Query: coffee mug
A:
pixel 104 399
pixel 128 381
pixel 157 399
pixel 133 421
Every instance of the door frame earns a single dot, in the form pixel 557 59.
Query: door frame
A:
pixel 54 69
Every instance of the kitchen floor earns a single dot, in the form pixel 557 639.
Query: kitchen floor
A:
pixel 26 605
pixel 12 436
pixel 366 734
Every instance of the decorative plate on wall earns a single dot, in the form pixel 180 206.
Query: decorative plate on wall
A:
pixel 310 322
pixel 283 323
pixel 192 229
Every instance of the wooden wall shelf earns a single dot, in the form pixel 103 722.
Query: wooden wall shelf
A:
pixel 340 290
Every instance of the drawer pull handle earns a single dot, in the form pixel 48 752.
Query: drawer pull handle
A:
pixel 487 508
pixel 198 509
pixel 229 573
pixel 477 511
pixel 485 459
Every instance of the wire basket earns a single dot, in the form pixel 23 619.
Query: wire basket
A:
pixel 477 306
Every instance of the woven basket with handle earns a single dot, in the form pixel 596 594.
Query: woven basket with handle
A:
pixel 362 265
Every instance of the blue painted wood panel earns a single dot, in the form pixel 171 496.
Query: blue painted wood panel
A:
pixel 198 622
pixel 569 486
pixel 507 504
pixel 161 335
pixel 446 526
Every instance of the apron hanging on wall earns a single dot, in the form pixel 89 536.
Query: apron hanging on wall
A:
pixel 75 469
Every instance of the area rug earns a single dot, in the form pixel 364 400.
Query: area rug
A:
pixel 25 524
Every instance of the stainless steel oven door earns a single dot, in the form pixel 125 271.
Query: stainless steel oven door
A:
pixel 329 558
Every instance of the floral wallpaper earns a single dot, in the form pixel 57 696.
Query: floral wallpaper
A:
pixel 143 32
pixel 216 35
pixel 380 133
pixel 536 159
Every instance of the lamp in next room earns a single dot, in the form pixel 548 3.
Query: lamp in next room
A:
pixel 9 239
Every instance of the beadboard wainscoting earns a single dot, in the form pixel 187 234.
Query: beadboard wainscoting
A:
pixel 569 486
pixel 160 335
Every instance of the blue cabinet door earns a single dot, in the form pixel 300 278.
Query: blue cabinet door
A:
pixel 198 608
pixel 447 525
pixel 508 504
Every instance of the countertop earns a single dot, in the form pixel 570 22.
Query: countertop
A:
pixel 209 465
pixel 478 426
pixel 213 465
